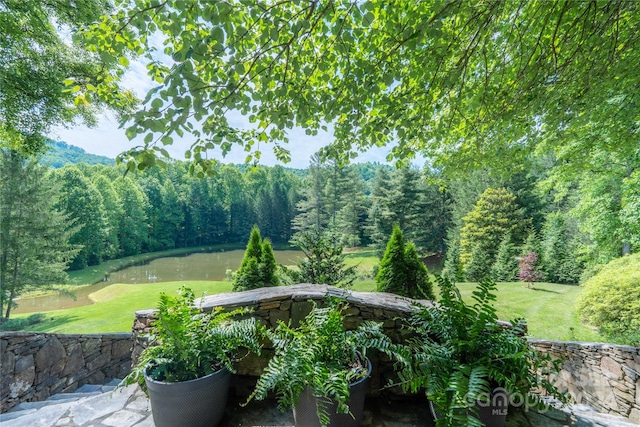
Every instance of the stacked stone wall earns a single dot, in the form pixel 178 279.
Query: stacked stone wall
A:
pixel 292 303
pixel 35 366
pixel 603 376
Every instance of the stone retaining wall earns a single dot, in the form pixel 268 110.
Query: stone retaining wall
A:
pixel 603 376
pixel 292 303
pixel 36 365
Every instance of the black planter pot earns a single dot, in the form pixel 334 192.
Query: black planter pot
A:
pixel 195 403
pixel 491 414
pixel 305 412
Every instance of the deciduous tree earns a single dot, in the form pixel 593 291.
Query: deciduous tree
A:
pixel 458 81
pixel 36 58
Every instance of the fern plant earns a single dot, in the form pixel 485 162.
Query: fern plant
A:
pixel 462 353
pixel 187 343
pixel 322 356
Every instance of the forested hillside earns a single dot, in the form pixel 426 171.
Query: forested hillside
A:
pixel 60 153
pixel 484 222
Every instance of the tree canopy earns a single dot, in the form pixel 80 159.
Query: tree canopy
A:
pixel 454 80
pixel 36 62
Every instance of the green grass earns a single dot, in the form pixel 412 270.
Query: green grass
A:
pixel 548 309
pixel 115 307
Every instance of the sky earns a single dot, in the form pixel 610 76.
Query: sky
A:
pixel 107 139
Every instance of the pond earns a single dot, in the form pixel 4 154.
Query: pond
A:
pixel 198 266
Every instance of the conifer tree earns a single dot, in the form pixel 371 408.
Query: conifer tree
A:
pixel 392 274
pixel 478 267
pixel 557 260
pixel 452 269
pixel 324 261
pixel 493 216
pixel 34 234
pixel 268 265
pixel 258 266
pixel 532 243
pixel 418 283
pixel 505 269
pixel 401 271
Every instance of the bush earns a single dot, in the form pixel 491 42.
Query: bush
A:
pixel 21 323
pixel 611 300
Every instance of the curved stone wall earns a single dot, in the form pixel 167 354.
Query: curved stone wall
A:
pixel 293 303
pixel 36 365
pixel 603 376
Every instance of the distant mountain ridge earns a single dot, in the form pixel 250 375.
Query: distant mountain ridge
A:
pixel 60 154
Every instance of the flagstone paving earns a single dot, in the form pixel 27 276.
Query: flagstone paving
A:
pixel 104 406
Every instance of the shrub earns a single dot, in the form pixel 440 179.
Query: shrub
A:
pixel 21 323
pixel 611 300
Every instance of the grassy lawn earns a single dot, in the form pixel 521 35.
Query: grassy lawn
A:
pixel 548 309
pixel 115 307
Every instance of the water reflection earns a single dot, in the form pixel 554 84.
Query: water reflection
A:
pixel 199 266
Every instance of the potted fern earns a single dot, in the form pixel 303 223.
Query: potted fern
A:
pixel 470 366
pixel 186 368
pixel 320 369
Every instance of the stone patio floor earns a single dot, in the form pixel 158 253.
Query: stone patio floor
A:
pixel 129 407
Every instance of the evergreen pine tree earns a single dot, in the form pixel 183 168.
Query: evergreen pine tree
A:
pixel 532 243
pixel 392 274
pixel 401 271
pixel 557 261
pixel 34 234
pixel 258 267
pixel 418 284
pixel 493 216
pixel 505 269
pixel 268 265
pixel 324 261
pixel 452 269
pixel 478 267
